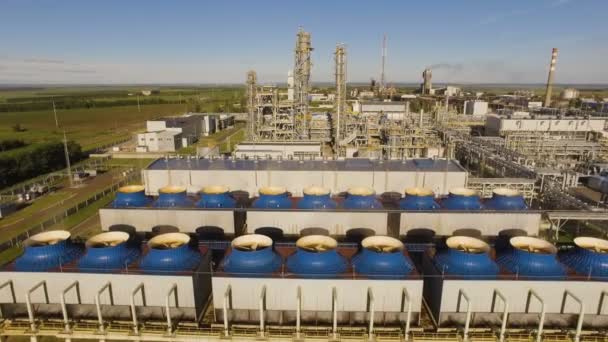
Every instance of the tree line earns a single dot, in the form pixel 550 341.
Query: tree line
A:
pixel 10 144
pixel 34 160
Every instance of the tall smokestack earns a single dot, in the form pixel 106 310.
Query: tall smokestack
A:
pixel 550 78
pixel 427 85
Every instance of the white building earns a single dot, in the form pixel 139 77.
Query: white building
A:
pixel 475 108
pixel 500 125
pixel 569 94
pixel 535 104
pixel 449 91
pixel 161 141
pixel 278 149
pixel 319 97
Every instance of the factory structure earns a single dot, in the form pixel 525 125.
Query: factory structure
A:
pixel 372 221
pixel 169 134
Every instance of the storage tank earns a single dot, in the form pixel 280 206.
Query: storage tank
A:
pixel 216 196
pixel 172 196
pixel 382 257
pixel 466 257
pixel 418 199
pixel 108 251
pixel 131 196
pixel 462 199
pixel 47 250
pixel 589 257
pixel 272 197
pixel 506 199
pixel 316 256
pixel 598 183
pixel 361 198
pixel 169 253
pixel 531 258
pixel 252 255
pixel 316 197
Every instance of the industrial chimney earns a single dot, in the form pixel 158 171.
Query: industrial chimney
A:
pixel 550 78
pixel 427 85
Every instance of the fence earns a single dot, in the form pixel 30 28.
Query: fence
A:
pixel 17 240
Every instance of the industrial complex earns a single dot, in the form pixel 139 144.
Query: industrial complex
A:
pixel 362 213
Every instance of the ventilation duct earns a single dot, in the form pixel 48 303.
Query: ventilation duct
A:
pixel 462 199
pixel 216 196
pixel 532 258
pixel 466 257
pixel 418 199
pixel 272 197
pixel 382 257
pixel 316 257
pixel 172 196
pixel 316 197
pixel 361 198
pixel 46 251
pixel 169 253
pixel 131 196
pixel 108 251
pixel 252 255
pixel 506 199
pixel 589 257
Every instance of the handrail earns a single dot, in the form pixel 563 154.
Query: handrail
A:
pixel 64 309
pixel 28 301
pixel 139 288
pixel 298 312
pixel 12 287
pixel 505 313
pixel 108 286
pixel 581 313
pixel 262 309
pixel 227 303
pixel 370 309
pixel 406 297
pixel 173 290
pixel 462 294
pixel 541 322
pixel 334 309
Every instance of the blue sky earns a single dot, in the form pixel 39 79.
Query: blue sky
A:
pixel 217 41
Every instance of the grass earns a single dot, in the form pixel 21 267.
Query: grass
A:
pixel 83 214
pixel 38 205
pixel 9 255
pixel 89 127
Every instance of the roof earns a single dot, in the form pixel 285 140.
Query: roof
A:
pixel 411 165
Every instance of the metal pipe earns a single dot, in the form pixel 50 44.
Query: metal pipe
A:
pixel 12 287
pixel 108 286
pixel 227 303
pixel 28 302
pixel 505 313
pixel 139 288
pixel 462 294
pixel 299 312
pixel 370 309
pixel 173 290
pixel 541 322
pixel 406 297
pixel 581 313
pixel 262 309
pixel 334 309
pixel 64 309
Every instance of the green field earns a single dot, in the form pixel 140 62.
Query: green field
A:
pixel 97 116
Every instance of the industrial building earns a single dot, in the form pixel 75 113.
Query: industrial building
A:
pixel 475 108
pixel 172 133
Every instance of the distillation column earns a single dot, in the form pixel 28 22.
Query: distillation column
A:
pixel 340 104
pixel 302 67
pixel 251 107
pixel 550 78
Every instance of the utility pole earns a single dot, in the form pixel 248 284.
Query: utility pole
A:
pixel 65 149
